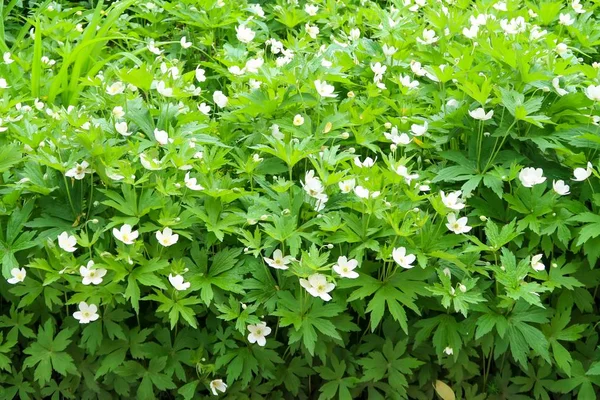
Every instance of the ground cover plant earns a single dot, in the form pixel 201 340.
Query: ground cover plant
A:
pixel 300 200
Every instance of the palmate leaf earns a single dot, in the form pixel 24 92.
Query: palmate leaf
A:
pixel 144 275
pixel 522 337
pixel 5 348
pixel 307 325
pixel 590 230
pixel 390 296
pixel 176 308
pixel 47 353
pixel 337 383
pixel 14 239
pixel 390 364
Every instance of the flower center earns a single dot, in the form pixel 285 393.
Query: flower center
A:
pixel 320 288
pixel 92 274
pixel 85 314
pixel 259 332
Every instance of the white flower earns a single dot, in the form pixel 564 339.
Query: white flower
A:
pixel 178 282
pixel 154 49
pixel 354 34
pixel 254 84
pixel 87 313
pixel 404 260
pixel 500 6
pixel 67 242
pixel 125 234
pixel 480 114
pixel 417 69
pixel 322 199
pixel 345 268
pixel 347 185
pixel 298 120
pixel 161 136
pixel 236 70
pixel 449 351
pixel 368 163
pixel 453 200
pixel 593 92
pixel 324 89
pixel 471 33
pixel 192 183
pixel 458 226
pixel 184 43
pixel 150 164
pixel 118 112
pixel 326 63
pixel 389 51
pixel 220 99
pixel 378 69
pixel 258 332
pixel 514 26
pixel 167 237
pixel 121 127
pixel 312 184
pixel 79 170
pixel 556 85
pixel 311 9
pixel 562 48
pixel 536 264
pixel 7 58
pixel 481 19
pixel 530 177
pixel 428 37
pixel 162 89
pixel 200 77
pixel 566 19
pixel 406 81
pixel 402 170
pixel 256 9
pixel 537 33
pixel 278 261
pixel 18 275
pixel 204 108
pixel 244 34
pixel 577 7
pixel 91 274
pixel 318 286
pixel 219 385
pixel 47 61
pixel 581 174
pixel 276 132
pixel 115 88
pixel 312 30
pixel 361 192
pixel 560 187
pixel 253 65
pixel 419 130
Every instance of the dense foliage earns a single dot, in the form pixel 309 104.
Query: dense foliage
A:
pixel 333 199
